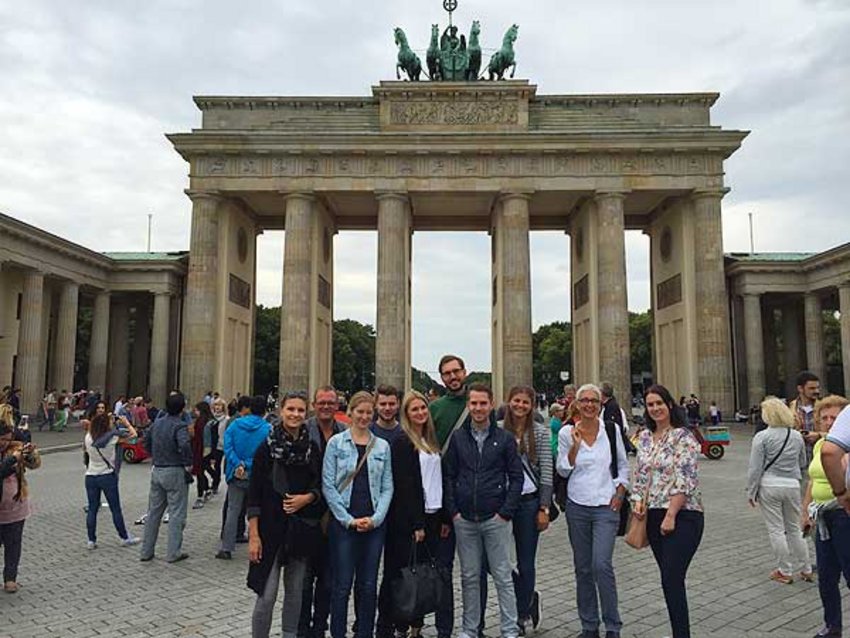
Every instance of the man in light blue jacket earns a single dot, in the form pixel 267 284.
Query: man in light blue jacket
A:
pixel 241 440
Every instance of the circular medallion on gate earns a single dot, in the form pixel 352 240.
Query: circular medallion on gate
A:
pixel 666 247
pixel 242 245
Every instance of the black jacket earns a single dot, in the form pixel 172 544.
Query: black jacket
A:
pixel 283 535
pixel 479 485
pixel 407 510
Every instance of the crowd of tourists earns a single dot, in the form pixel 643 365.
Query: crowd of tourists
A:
pixel 322 497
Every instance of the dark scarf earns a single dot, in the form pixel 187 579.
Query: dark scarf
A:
pixel 287 451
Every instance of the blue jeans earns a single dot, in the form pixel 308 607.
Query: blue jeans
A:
pixel 833 561
pixel 108 484
pixel 524 576
pixel 354 554
pixel 592 532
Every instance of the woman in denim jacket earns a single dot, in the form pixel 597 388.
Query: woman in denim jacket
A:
pixel 358 501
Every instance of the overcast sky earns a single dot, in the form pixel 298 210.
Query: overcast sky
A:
pixel 88 90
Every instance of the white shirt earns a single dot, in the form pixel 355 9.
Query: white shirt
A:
pixel 116 409
pixel 591 483
pixel 432 481
pixel 97 465
pixel 839 434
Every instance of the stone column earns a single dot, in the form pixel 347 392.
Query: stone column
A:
pixel 844 309
pixel 159 348
pixel 99 346
pixel 612 300
pixel 66 337
pixel 140 360
pixel 119 349
pixel 714 356
pixel 793 335
pixel 392 346
pixel 29 343
pixel 754 347
pixel 297 299
pixel 513 227
pixel 815 359
pixel 197 369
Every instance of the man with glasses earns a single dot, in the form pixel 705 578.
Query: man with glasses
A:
pixel 316 596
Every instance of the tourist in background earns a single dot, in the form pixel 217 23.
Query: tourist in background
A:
pixel 773 482
pixel 357 484
pixel 823 511
pixel 284 512
pixel 219 425
pixel 101 445
pixel 556 422
pixel 803 407
pixel 597 470
pixel 202 445
pixel 666 492
pixel 241 440
pixel 16 457
pixel 416 515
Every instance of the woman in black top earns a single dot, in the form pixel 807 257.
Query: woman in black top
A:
pixel 416 514
pixel 284 508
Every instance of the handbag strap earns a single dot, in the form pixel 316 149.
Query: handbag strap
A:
pixel 108 464
pixel 778 454
pixel 348 479
pixel 457 424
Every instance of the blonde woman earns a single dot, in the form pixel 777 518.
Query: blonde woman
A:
pixel 773 483
pixel 357 483
pixel 416 515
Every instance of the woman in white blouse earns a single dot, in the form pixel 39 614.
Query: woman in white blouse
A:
pixel 596 488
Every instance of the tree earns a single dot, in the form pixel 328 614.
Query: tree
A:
pixel 266 349
pixel 640 340
pixel 551 353
pixel 422 381
pixel 353 356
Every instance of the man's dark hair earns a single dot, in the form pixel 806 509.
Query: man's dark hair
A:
pixel 386 390
pixel 323 388
pixel 480 387
pixel 243 402
pixel 450 357
pixel 805 376
pixel 606 389
pixel 258 405
pixel 175 404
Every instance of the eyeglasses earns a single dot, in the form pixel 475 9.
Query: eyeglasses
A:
pixel 452 373
pixel 588 401
pixel 326 404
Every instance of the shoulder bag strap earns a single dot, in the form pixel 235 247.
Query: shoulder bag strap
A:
pixel 348 479
pixel 781 450
pixel 457 424
pixel 611 430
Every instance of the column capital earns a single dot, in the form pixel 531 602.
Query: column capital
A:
pixel 752 294
pixel 611 193
pixel 391 195
pixel 308 196
pixel 715 193
pixel 508 195
pixel 845 285
pixel 197 195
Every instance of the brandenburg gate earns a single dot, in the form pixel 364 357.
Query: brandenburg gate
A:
pixel 483 156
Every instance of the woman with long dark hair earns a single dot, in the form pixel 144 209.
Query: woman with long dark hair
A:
pixel 203 458
pixel 284 509
pixel 416 515
pixel 666 492
pixel 101 446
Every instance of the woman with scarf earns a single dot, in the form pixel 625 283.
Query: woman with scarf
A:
pixel 202 451
pixel 284 509
pixel 16 457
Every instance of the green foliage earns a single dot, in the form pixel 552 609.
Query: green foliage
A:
pixel 551 353
pixel 640 340
pixel 480 377
pixel 422 381
pixel 266 349
pixel 353 356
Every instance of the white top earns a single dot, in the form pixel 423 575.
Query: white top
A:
pixel 839 434
pixel 528 486
pixel 432 481
pixel 591 483
pixel 116 409
pixel 97 466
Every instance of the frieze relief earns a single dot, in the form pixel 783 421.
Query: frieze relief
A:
pixel 424 165
pixel 453 113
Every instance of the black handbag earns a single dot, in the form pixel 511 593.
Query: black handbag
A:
pixel 416 590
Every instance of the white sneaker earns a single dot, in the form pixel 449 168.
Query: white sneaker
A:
pixel 198 504
pixel 130 541
pixel 91 545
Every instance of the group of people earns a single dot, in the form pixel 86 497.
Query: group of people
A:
pixel 808 438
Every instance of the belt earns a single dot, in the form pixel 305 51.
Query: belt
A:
pixel 534 496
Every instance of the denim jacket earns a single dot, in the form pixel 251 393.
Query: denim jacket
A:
pixel 340 461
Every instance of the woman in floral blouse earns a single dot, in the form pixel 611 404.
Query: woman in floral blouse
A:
pixel 666 491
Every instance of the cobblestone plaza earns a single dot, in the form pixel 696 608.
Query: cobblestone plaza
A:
pixel 67 591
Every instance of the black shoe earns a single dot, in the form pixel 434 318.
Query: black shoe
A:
pixel 520 627
pixel 223 555
pixel 612 634
pixel 587 633
pixel 241 539
pixel 828 632
pixel 182 556
pixel 145 559
pixel 534 611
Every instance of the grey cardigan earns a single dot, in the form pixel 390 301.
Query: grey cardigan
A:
pixel 766 445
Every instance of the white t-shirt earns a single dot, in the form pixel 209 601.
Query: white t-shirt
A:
pixel 97 465
pixel 432 481
pixel 839 434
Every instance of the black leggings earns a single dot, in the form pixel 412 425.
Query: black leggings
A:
pixel 673 553
pixel 207 467
pixel 11 538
